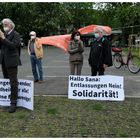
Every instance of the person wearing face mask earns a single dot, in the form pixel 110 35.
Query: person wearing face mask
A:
pixel 75 50
pixel 35 51
pixel 100 56
pixel 10 59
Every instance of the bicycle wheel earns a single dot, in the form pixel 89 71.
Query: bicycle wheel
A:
pixel 117 60
pixel 134 64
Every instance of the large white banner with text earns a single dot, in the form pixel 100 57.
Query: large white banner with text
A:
pixel 105 87
pixel 25 93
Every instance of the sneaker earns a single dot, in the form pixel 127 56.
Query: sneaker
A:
pixel 12 109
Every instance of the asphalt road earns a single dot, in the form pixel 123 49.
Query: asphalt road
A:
pixel 56 72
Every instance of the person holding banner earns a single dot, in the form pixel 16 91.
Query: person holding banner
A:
pixel 10 59
pixel 35 51
pixel 100 56
pixel 75 49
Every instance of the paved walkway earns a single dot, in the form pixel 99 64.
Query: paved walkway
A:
pixel 56 71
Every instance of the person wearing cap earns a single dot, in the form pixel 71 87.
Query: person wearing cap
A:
pixel 10 59
pixel 35 51
pixel 100 56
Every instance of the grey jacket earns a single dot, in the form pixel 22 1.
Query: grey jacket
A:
pixel 75 50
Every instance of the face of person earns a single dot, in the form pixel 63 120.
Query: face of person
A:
pixel 97 34
pixel 7 26
pixel 77 37
pixel 33 36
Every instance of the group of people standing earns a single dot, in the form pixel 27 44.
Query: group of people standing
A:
pixel 99 57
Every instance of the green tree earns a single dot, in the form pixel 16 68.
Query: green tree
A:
pixel 82 14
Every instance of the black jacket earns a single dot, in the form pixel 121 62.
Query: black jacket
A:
pixel 10 48
pixel 100 53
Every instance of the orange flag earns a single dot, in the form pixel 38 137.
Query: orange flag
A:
pixel 62 41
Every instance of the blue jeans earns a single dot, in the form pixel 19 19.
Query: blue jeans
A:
pixel 36 67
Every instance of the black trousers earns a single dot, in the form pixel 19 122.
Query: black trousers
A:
pixel 11 74
pixel 94 70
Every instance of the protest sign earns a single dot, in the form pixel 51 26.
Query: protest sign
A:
pixel 25 93
pixel 96 87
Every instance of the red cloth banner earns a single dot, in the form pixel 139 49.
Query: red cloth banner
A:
pixel 61 41
pixel 90 29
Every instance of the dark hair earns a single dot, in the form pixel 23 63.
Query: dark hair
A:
pixel 75 33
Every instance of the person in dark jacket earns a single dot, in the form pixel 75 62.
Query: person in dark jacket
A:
pixel 100 56
pixel 75 49
pixel 9 58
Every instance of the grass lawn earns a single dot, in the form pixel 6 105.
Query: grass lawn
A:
pixel 61 117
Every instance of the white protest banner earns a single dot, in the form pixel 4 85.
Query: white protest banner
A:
pixel 96 87
pixel 25 93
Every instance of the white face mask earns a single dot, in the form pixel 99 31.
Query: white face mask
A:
pixel 6 29
pixel 33 37
pixel 96 35
pixel 77 37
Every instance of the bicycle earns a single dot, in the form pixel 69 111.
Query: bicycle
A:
pixel 131 60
